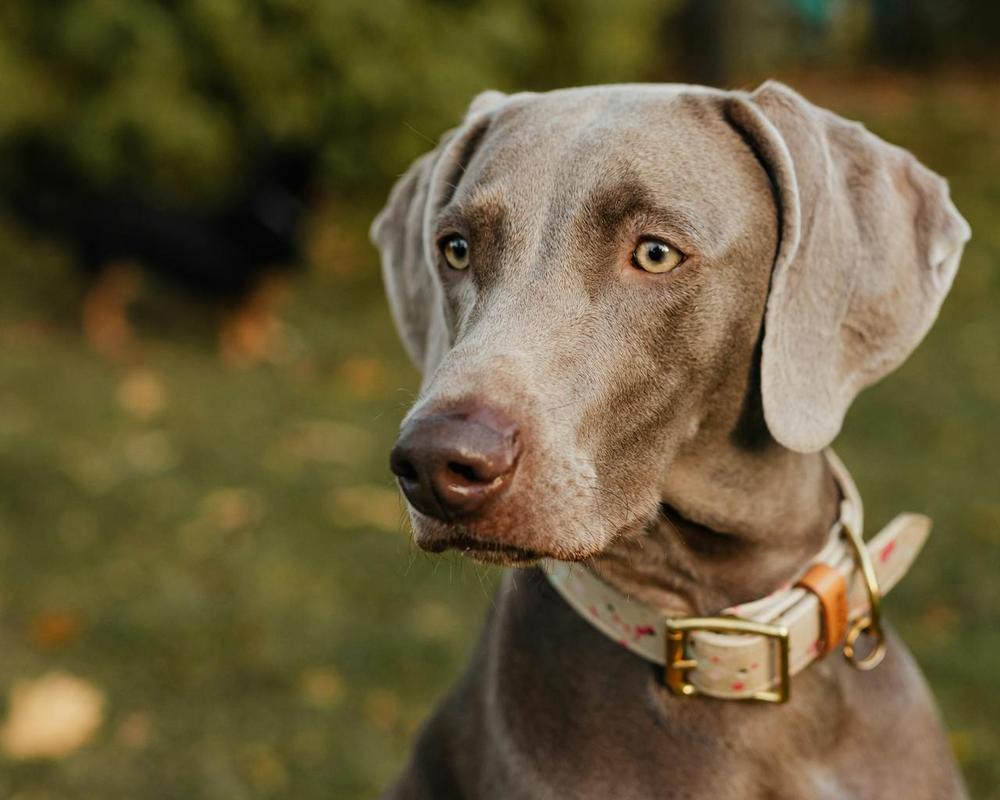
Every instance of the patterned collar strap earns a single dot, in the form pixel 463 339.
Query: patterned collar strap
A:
pixel 751 650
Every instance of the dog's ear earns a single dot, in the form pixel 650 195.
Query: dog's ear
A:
pixel 415 297
pixel 869 245
pixel 485 101
pixel 402 233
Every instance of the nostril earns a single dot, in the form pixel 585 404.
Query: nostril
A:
pixel 465 471
pixel 405 470
pixel 402 463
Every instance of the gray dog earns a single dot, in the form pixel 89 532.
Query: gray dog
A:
pixel 641 314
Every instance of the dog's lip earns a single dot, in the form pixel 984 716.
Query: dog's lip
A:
pixel 492 550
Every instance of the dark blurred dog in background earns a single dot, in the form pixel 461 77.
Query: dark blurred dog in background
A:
pixel 235 253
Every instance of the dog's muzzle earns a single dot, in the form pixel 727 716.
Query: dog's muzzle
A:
pixel 451 465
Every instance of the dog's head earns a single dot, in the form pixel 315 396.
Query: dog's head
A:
pixel 592 279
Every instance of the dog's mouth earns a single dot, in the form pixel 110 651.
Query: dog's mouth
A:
pixel 485 551
pixel 437 538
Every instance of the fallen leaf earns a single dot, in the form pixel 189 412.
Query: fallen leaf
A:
pixel 382 709
pixel 142 394
pixel 51 630
pixel 51 716
pixel 363 376
pixel 135 730
pixel 229 509
pixel 266 770
pixel 940 619
pixel 321 687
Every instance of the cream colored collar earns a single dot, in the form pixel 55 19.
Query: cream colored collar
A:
pixel 750 651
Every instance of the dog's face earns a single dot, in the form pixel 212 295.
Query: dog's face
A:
pixel 584 276
pixel 565 323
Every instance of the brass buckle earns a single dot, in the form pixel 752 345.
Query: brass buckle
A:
pixel 678 663
pixel 870 623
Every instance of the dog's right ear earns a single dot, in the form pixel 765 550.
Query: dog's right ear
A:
pixel 402 234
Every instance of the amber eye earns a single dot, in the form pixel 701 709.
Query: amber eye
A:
pixel 653 255
pixel 456 251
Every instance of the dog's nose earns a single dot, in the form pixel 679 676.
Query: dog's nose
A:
pixel 451 464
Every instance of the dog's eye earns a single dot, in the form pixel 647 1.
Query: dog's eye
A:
pixel 653 255
pixel 456 252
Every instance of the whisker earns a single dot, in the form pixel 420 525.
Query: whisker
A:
pixel 422 135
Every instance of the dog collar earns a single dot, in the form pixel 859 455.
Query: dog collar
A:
pixel 751 650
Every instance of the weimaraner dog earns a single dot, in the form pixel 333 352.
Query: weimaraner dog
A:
pixel 641 313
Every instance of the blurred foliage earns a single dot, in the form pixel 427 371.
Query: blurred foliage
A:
pixel 175 94
pixel 179 94
pixel 213 562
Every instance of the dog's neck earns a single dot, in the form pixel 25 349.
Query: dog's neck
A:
pixel 735 524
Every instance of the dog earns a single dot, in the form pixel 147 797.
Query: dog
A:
pixel 641 313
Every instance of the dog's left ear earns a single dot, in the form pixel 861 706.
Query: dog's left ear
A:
pixel 869 245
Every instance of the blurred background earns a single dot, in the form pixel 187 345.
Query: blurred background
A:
pixel 206 584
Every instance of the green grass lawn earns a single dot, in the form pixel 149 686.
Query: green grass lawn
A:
pixel 220 552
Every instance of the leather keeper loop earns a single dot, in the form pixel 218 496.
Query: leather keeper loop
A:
pixel 830 589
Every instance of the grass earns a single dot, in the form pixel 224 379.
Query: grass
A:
pixel 220 552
